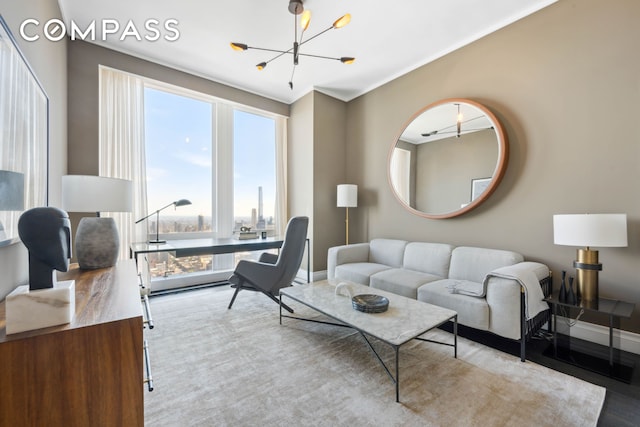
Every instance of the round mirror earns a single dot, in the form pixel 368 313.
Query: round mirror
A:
pixel 449 157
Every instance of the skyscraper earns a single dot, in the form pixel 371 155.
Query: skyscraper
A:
pixel 260 224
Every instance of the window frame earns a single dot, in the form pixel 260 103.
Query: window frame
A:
pixel 222 176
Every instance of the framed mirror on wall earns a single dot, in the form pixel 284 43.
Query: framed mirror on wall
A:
pixel 24 137
pixel 447 159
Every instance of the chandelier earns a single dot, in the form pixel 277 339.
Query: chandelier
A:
pixel 296 8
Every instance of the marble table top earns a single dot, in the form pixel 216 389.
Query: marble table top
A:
pixel 405 319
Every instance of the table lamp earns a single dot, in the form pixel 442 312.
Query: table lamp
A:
pixel 347 198
pixel 589 230
pixel 97 241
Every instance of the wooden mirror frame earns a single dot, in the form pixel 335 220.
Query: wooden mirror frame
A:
pixel 496 177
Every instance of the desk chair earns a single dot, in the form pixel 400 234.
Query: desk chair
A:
pixel 273 272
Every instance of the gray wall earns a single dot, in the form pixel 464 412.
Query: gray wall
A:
pixel 565 84
pixel 317 164
pixel 329 168
pixel 49 62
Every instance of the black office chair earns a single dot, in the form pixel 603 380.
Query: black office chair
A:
pixel 273 272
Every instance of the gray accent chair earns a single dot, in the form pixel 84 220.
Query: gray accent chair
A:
pixel 273 272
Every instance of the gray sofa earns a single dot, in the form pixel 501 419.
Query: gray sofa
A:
pixel 492 290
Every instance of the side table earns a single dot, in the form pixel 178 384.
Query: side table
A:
pixel 562 349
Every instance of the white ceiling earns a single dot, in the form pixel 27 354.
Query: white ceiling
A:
pixel 387 38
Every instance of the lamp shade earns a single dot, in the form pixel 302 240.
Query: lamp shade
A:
pixel 84 193
pixel 347 196
pixel 590 230
pixel 11 191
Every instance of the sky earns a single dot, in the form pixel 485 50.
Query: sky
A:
pixel 179 146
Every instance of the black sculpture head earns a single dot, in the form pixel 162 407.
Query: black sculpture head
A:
pixel 46 232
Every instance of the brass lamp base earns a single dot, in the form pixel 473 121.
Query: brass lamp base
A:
pixel 587 267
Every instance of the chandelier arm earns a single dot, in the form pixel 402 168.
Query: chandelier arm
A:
pixel 444 129
pixel 313 37
pixel 278 56
pixel 318 56
pixel 464 131
pixel 270 50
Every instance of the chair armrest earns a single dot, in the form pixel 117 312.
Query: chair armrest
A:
pixel 268 258
pixel 345 254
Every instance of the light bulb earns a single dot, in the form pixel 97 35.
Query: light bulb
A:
pixel 342 21
pixel 239 46
pixel 305 19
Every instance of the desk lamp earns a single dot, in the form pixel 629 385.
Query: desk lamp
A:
pixel 181 202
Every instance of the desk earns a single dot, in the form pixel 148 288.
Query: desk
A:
pixel 610 366
pixel 212 246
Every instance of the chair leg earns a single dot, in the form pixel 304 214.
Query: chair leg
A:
pixel 235 294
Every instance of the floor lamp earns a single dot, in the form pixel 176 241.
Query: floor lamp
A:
pixel 97 241
pixel 347 198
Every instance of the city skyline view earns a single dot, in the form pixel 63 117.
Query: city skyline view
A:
pixel 180 152
pixel 179 140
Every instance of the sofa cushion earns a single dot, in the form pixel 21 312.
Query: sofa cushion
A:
pixel 474 264
pixel 359 272
pixel 432 258
pixel 472 311
pixel 401 281
pixel 389 252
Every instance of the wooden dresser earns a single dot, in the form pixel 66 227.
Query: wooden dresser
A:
pixel 86 373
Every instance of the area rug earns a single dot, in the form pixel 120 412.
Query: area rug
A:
pixel 218 367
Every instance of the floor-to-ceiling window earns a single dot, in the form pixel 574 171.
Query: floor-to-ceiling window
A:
pixel 220 157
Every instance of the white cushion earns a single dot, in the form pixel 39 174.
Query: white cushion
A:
pixel 474 264
pixel 387 251
pixel 433 258
pixel 472 311
pixel 359 272
pixel 401 281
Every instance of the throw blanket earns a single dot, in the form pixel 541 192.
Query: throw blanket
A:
pixel 466 287
pixel 521 273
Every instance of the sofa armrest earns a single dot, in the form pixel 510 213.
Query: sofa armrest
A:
pixel 504 300
pixel 345 254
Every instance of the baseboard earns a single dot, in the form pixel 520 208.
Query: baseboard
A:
pixel 319 275
pixel 623 340
pixel 314 276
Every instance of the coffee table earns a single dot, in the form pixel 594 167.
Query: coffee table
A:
pixel 406 319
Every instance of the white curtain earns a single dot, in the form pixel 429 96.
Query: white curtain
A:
pixel 281 176
pixel 23 131
pixel 122 153
pixel 400 173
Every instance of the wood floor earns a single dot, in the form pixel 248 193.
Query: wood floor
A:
pixel 622 402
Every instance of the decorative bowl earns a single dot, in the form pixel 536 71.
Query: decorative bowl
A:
pixel 369 303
